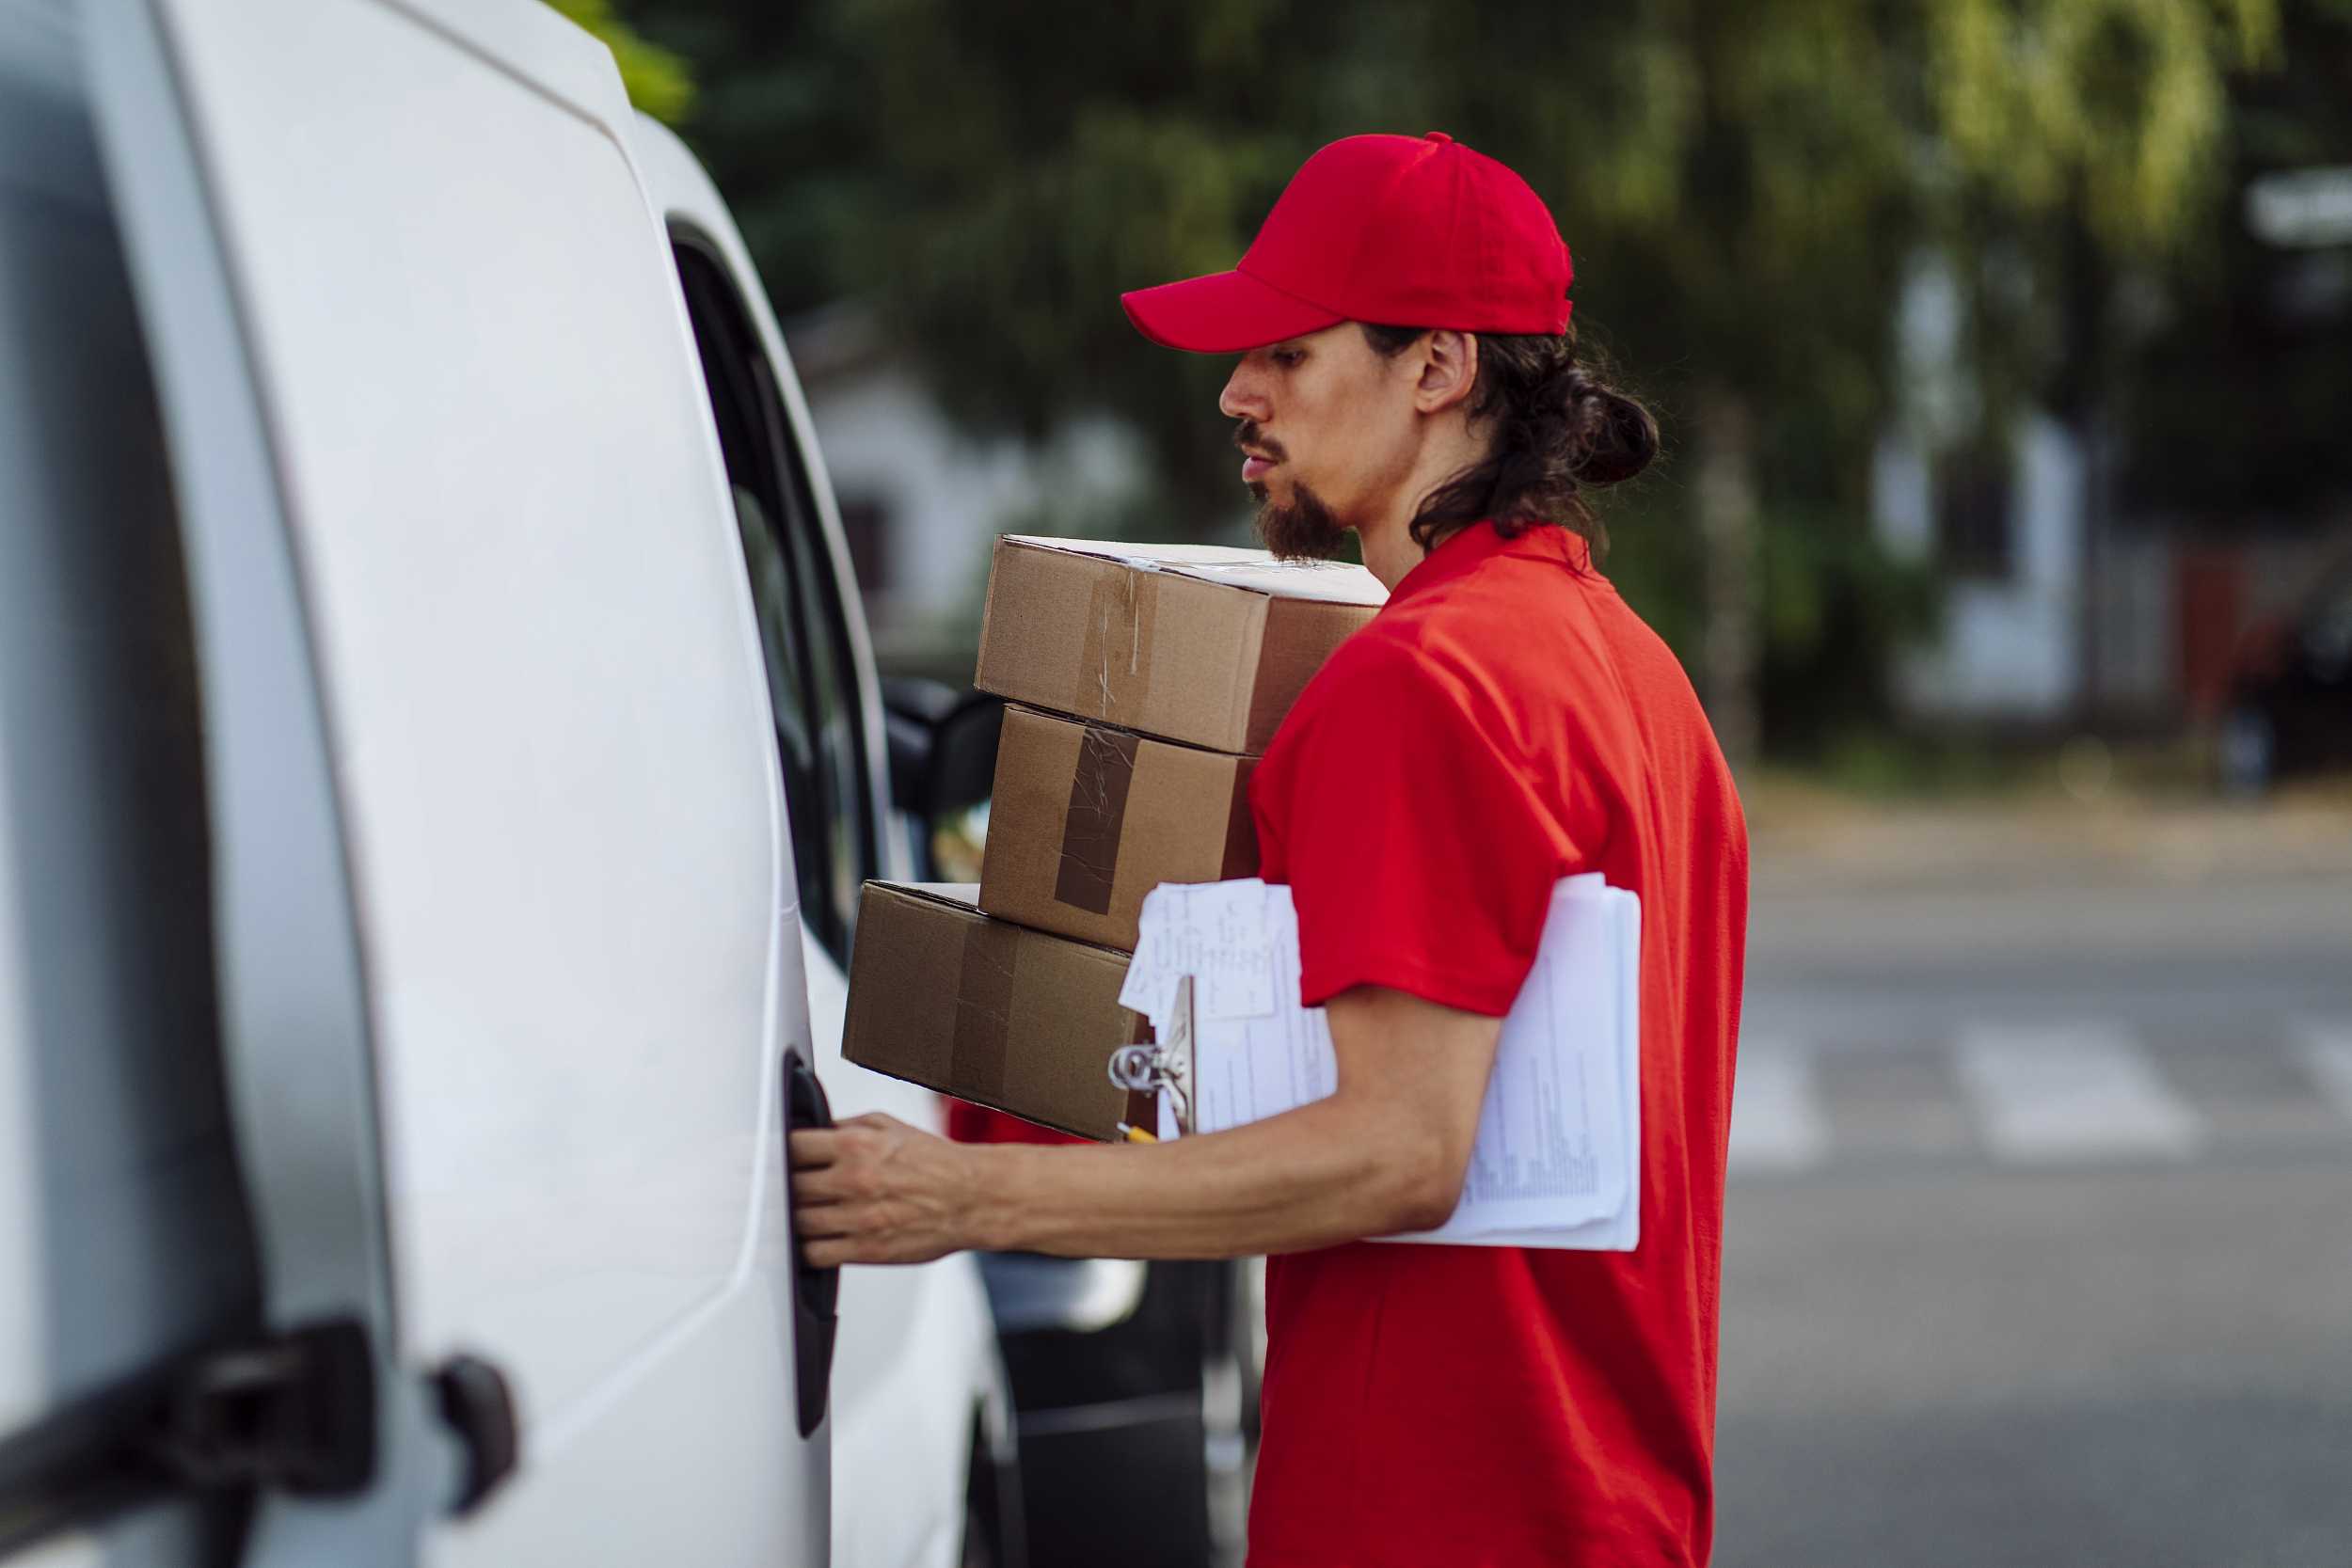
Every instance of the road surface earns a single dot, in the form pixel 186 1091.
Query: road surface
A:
pixel 2038 1247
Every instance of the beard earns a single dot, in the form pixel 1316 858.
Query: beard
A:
pixel 1304 530
pixel 1301 529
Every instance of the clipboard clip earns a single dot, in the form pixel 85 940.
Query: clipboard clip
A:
pixel 1164 1066
pixel 1153 1069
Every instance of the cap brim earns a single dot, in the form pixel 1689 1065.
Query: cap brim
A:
pixel 1225 313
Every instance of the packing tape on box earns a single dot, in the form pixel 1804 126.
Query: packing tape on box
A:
pixel 975 1060
pixel 1115 662
pixel 1092 826
pixel 1241 832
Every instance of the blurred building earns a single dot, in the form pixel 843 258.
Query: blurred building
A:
pixel 2061 605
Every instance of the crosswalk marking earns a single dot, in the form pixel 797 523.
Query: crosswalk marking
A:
pixel 2327 1050
pixel 2059 1093
pixel 2042 1094
pixel 1777 1123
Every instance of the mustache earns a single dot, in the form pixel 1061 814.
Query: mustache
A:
pixel 1247 436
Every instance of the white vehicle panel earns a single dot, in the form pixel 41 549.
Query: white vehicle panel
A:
pixel 548 722
pixel 549 748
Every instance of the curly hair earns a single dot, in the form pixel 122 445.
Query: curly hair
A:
pixel 1558 432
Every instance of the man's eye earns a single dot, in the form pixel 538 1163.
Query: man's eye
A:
pixel 1286 358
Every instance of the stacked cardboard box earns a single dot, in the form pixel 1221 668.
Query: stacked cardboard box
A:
pixel 1143 681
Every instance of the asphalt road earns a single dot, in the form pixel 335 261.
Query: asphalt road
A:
pixel 2040 1243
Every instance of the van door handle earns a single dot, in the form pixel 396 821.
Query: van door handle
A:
pixel 815 1293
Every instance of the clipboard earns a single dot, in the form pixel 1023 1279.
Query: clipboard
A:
pixel 1557 1159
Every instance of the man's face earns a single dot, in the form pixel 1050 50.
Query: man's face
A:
pixel 1326 429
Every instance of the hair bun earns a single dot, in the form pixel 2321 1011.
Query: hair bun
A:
pixel 1553 427
pixel 1618 435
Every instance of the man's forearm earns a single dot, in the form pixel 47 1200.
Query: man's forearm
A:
pixel 1384 1154
pixel 1324 1173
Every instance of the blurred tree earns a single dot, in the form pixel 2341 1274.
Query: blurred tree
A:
pixel 2246 360
pixel 1743 181
pixel 782 121
pixel 1810 149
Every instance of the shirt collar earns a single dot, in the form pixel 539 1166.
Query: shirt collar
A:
pixel 1467 548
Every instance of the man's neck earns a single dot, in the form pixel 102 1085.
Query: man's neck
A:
pixel 1386 539
pixel 1389 549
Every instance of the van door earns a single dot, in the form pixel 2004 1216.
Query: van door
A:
pixel 426 367
pixel 918 1380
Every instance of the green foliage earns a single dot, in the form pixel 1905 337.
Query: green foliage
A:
pixel 657 81
pixel 2119 101
pixel 1836 604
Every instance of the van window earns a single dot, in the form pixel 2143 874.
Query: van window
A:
pixel 812 676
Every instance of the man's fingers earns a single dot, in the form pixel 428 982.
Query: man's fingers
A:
pixel 845 1223
pixel 858 1245
pixel 827 1254
pixel 815 1148
pixel 819 1185
pixel 826 1219
pixel 822 1145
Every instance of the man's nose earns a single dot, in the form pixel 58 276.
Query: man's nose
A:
pixel 1243 398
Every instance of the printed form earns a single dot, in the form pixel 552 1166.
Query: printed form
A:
pixel 1556 1162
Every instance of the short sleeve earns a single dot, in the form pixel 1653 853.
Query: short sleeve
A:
pixel 1419 849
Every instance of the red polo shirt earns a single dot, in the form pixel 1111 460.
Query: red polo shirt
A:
pixel 1504 722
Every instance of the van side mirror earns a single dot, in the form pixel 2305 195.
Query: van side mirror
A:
pixel 943 746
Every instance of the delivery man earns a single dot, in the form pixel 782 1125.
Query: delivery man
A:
pixel 1406 373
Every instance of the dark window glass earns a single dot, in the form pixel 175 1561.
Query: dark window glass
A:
pixel 2328 634
pixel 865 533
pixel 1974 528
pixel 812 676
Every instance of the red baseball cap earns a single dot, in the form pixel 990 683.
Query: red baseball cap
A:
pixel 1395 230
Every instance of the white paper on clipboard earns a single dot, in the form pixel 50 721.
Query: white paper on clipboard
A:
pixel 1557 1159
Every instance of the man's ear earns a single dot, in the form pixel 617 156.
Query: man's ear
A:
pixel 1449 370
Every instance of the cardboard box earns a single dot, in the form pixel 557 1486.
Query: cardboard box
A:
pixel 994 1013
pixel 1190 643
pixel 1087 819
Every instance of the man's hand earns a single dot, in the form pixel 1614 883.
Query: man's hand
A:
pixel 874 1189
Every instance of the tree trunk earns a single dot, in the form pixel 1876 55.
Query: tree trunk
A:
pixel 1731 649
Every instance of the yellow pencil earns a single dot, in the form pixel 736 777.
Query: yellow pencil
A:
pixel 1136 1134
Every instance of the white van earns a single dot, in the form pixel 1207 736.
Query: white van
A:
pixel 439 754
